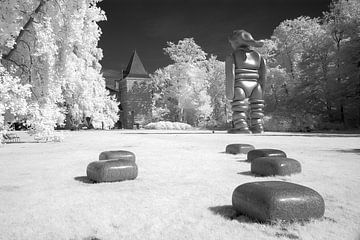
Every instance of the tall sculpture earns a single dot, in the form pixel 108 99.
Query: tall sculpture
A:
pixel 245 75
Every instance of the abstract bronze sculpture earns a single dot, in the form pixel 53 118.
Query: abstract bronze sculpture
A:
pixel 245 75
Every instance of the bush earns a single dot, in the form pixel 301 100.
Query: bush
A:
pixel 166 125
pixel 290 123
pixel 325 126
pixel 277 124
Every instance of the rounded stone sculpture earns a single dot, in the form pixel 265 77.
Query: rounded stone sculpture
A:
pixel 112 170
pixel 275 200
pixel 119 154
pixel 269 166
pixel 264 153
pixel 239 148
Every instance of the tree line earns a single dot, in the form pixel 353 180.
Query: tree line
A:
pixel 50 73
pixel 313 76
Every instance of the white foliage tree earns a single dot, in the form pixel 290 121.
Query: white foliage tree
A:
pixel 13 95
pixel 220 106
pixel 181 87
pixel 53 46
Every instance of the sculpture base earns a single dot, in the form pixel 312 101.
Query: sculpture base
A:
pixel 257 131
pixel 112 170
pixel 240 131
pixel 119 154
pixel 264 153
pixel 239 148
pixel 275 200
pixel 269 166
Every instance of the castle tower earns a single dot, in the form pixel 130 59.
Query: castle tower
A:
pixel 134 94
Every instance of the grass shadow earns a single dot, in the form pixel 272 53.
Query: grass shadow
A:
pixel 91 238
pixel 286 235
pixel 314 134
pixel 355 150
pixel 245 161
pixel 84 179
pixel 229 213
pixel 29 141
pixel 247 173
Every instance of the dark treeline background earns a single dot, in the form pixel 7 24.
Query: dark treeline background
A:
pixel 314 69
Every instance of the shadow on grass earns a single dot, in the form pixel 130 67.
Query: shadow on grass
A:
pixel 91 238
pixel 84 179
pixel 243 160
pixel 355 150
pixel 286 235
pixel 237 158
pixel 311 135
pixel 247 173
pixel 229 213
pixel 30 141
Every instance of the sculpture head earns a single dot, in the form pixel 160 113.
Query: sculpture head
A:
pixel 242 38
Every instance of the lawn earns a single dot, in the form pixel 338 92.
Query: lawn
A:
pixel 183 190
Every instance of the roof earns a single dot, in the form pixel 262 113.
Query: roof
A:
pixel 135 68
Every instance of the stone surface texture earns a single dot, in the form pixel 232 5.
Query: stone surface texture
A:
pixel 239 148
pixel 119 154
pixel 112 170
pixel 269 166
pixel 270 201
pixel 264 153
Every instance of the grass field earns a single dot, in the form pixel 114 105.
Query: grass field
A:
pixel 183 190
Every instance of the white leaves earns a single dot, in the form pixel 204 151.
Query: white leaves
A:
pixel 13 94
pixel 63 59
pixel 190 84
pixel 185 51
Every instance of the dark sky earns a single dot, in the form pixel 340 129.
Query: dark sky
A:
pixel 146 25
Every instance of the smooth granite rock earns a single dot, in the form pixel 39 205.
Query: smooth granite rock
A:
pixel 276 200
pixel 112 170
pixel 120 154
pixel 239 148
pixel 264 153
pixel 269 166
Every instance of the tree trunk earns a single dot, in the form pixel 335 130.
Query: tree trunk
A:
pixel 23 30
pixel 341 101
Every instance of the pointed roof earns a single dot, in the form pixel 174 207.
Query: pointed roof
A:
pixel 135 68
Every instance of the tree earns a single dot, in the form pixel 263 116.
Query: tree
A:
pixel 215 76
pixel 185 51
pixel 52 44
pixel 13 95
pixel 181 88
pixel 343 22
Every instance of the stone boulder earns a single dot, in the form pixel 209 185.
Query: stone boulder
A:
pixel 269 166
pixel 119 154
pixel 275 200
pixel 239 148
pixel 112 170
pixel 264 153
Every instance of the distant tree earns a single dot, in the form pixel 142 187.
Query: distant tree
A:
pixel 215 76
pixel 343 21
pixel 313 66
pixel 181 88
pixel 185 51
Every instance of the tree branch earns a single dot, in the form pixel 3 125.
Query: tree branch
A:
pixel 22 32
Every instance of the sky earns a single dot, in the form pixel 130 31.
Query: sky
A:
pixel 147 25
